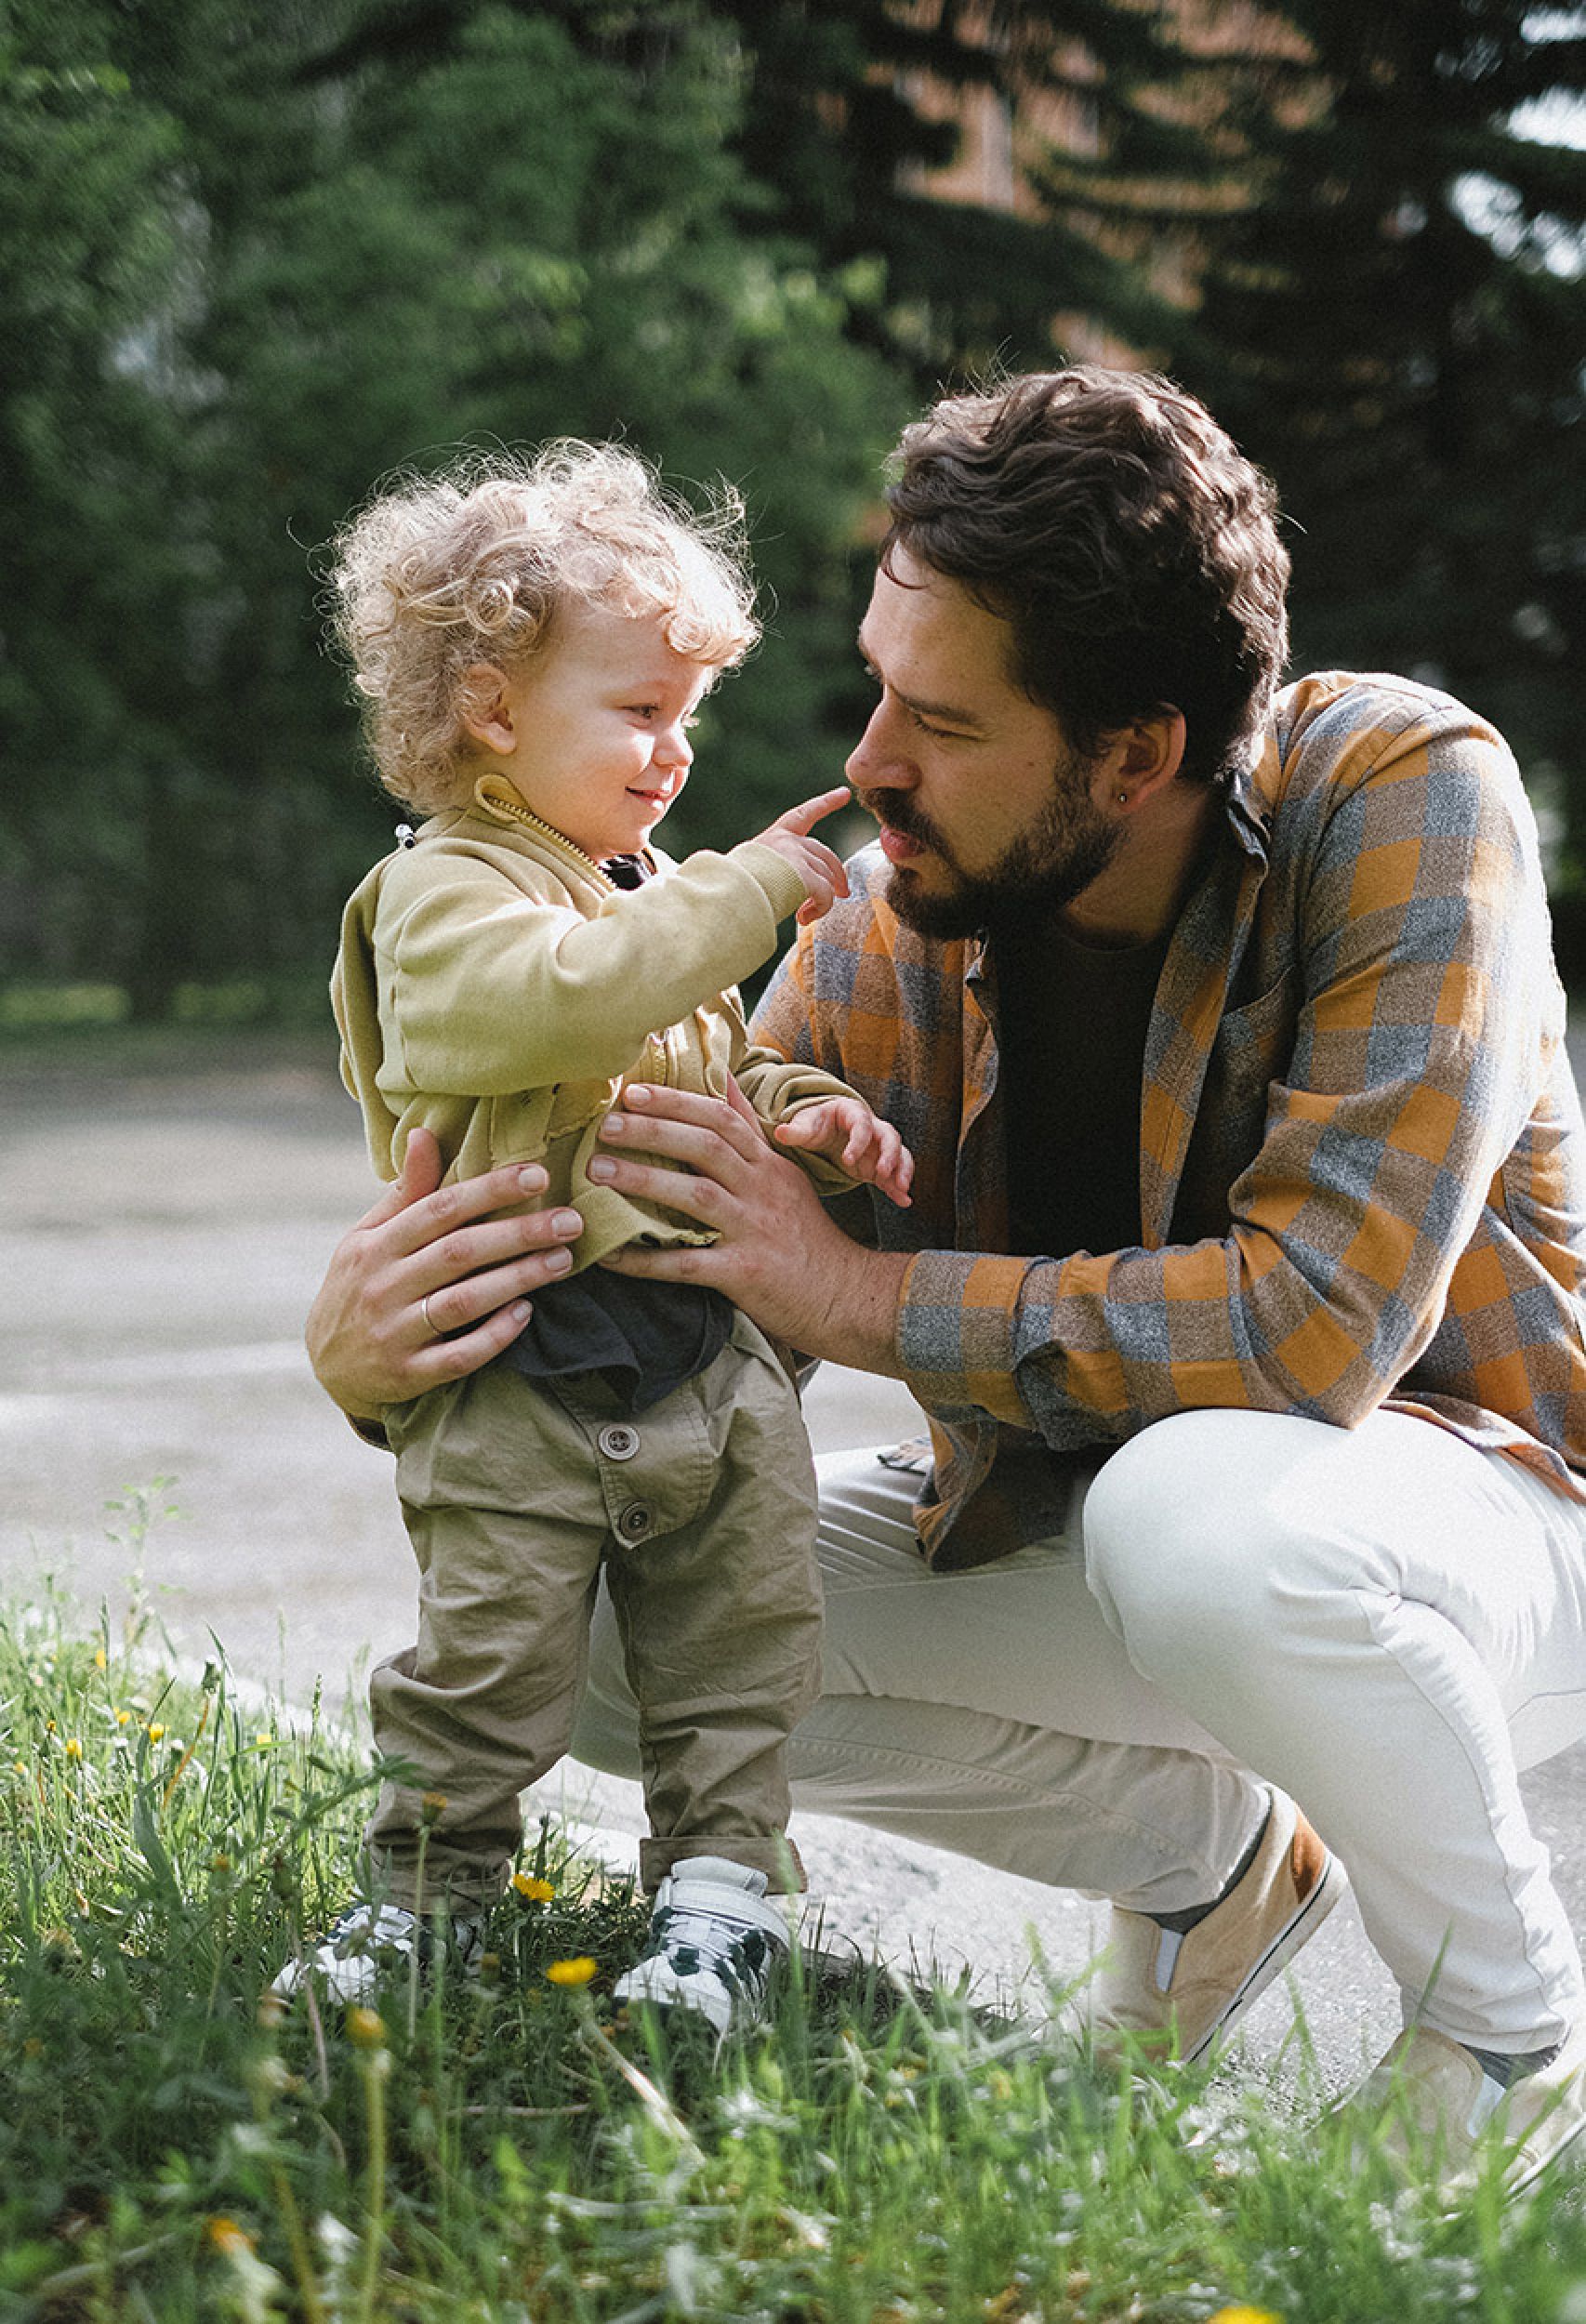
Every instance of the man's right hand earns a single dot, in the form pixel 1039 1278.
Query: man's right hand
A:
pixel 820 871
pixel 426 1262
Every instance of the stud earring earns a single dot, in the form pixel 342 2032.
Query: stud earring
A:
pixel 1123 798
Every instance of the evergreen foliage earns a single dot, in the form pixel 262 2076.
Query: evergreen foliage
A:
pixel 253 256
pixel 1395 325
pixel 517 238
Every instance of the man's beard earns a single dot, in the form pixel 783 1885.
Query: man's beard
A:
pixel 1070 844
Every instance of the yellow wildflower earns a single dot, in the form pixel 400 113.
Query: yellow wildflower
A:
pixel 124 1718
pixel 579 1971
pixel 366 2029
pixel 432 1807
pixel 537 1892
pixel 101 1662
pixel 156 1734
pixel 1240 2314
pixel 226 2236
pixel 74 1748
pixel 265 1740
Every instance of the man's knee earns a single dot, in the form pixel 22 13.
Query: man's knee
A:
pixel 1176 1545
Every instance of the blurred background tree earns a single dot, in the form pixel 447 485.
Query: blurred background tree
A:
pixel 253 256
pixel 1394 323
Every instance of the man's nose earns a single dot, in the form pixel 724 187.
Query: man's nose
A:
pixel 877 758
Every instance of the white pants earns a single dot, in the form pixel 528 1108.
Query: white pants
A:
pixel 1384 1621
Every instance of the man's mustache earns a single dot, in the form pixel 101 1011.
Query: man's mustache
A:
pixel 898 811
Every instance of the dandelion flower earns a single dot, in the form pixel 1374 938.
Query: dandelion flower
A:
pixel 579 1971
pixel 100 1660
pixel 1242 2315
pixel 537 1892
pixel 74 1748
pixel 265 1740
pixel 366 2029
pixel 432 1807
pixel 226 2236
pixel 156 1734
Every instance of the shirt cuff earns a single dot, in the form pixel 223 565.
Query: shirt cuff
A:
pixel 956 1332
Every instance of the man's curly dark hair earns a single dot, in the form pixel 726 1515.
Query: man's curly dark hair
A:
pixel 1132 547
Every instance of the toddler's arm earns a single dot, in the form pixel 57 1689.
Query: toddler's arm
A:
pixel 498 989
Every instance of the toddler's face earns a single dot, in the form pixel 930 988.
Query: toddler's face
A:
pixel 601 720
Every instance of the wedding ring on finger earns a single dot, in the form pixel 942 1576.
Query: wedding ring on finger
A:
pixel 435 1330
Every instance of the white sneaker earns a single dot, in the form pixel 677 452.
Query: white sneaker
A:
pixel 369 1946
pixel 1432 2112
pixel 714 1944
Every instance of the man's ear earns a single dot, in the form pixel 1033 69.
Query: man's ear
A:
pixel 485 707
pixel 1139 760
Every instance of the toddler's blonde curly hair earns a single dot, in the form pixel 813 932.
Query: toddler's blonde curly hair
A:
pixel 439 575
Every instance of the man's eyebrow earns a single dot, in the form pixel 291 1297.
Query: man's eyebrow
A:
pixel 949 713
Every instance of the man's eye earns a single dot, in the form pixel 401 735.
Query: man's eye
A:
pixel 643 710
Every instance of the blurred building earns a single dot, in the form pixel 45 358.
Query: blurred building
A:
pixel 1032 131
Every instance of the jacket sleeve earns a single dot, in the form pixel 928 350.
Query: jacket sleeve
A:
pixel 1426 992
pixel 495 990
pixel 777 1089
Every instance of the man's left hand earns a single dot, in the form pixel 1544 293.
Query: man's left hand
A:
pixel 777 1255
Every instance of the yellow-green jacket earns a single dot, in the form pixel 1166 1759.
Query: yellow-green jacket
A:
pixel 495 987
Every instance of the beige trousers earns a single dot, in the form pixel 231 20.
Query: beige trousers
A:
pixel 1383 1621
pixel 701 1512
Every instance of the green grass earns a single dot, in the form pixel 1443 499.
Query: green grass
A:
pixel 172 2147
pixel 32 1009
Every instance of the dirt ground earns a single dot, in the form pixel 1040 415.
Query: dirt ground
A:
pixel 162 1230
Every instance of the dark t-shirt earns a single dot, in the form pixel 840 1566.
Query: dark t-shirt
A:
pixel 1072 1020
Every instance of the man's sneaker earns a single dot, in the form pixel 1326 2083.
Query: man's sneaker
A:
pixel 1436 2116
pixel 369 1946
pixel 714 1942
pixel 1180 1993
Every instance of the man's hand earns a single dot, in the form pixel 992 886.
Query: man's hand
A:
pixel 777 1255
pixel 425 1263
pixel 820 871
pixel 846 1131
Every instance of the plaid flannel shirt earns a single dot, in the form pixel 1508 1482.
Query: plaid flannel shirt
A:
pixel 1362 1156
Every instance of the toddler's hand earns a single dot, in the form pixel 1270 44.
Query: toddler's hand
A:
pixel 820 871
pixel 847 1132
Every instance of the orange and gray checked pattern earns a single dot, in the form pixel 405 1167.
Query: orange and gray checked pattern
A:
pixel 1363 1164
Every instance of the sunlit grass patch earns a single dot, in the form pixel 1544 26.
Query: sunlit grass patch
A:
pixel 176 2143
